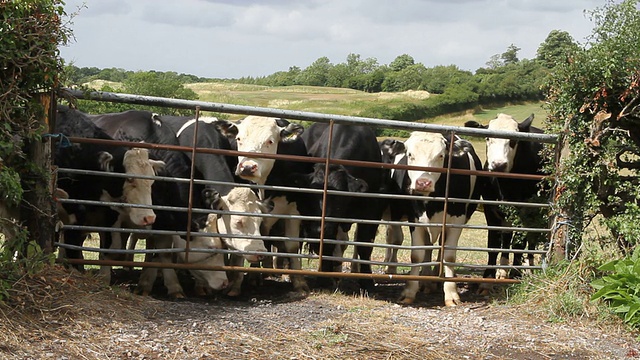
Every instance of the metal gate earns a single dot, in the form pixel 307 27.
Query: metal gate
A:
pixel 313 261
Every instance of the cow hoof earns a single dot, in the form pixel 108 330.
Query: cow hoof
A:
pixel 233 293
pixel 449 303
pixel 200 291
pixel 484 292
pixel 407 301
pixel 177 295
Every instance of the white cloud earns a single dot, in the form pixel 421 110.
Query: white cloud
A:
pixel 224 38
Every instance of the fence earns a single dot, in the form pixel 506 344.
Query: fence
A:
pixel 313 117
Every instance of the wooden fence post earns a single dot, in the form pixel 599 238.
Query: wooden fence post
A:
pixel 39 213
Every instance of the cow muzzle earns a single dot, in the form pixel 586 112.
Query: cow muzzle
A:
pixel 498 166
pixel 424 186
pixel 248 168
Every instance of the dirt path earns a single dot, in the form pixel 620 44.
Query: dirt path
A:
pixel 64 315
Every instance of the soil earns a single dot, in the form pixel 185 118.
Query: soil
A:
pixel 62 314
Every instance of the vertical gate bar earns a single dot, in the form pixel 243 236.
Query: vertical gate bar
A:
pixel 446 203
pixel 193 169
pixel 324 196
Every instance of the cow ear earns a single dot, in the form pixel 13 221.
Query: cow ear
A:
pixel 155 118
pixel 157 165
pixel 525 125
pixel 475 124
pixel 104 160
pixel 291 132
pixel 212 199
pixel 266 206
pixel 357 185
pixel 398 148
pixel 462 147
pixel 227 128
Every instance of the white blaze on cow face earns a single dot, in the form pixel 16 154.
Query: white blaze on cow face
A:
pixel 138 191
pixel 428 150
pixel 261 135
pixel 243 200
pixel 215 280
pixel 501 152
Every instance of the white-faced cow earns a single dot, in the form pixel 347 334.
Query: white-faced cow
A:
pixel 348 142
pixel 518 157
pixel 274 136
pixel 432 150
pixel 99 157
pixel 173 130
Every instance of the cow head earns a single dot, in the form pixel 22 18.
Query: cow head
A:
pixel 501 152
pixel 429 150
pixel 389 149
pixel 259 135
pixel 215 280
pixel 136 162
pixel 242 199
pixel 336 205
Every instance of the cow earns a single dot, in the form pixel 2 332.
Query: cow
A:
pixel 257 134
pixel 173 130
pixel 432 150
pixel 511 156
pixel 99 157
pixel 209 279
pixel 349 142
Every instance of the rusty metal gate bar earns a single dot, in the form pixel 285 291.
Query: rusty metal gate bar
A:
pixel 331 119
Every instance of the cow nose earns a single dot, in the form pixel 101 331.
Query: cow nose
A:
pixel 260 257
pixel 499 166
pixel 424 185
pixel 247 169
pixel 149 219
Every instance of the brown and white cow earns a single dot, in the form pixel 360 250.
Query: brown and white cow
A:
pixel 211 279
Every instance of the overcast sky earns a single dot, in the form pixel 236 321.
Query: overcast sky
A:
pixel 235 38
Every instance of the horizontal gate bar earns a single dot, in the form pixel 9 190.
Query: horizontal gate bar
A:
pixel 300 115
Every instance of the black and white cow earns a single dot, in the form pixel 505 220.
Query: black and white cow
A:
pixel 432 150
pixel 99 157
pixel 511 156
pixel 170 130
pixel 351 143
pixel 268 135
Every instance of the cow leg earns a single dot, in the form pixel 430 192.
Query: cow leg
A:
pixel 292 230
pixel 418 238
pixel 235 277
pixel 496 239
pixel 394 237
pixel 365 233
pixel 450 239
pixel 148 276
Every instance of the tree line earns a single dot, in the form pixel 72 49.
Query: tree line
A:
pixel 505 78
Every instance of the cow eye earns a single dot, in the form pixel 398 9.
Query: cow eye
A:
pixel 130 180
pixel 512 143
pixel 270 142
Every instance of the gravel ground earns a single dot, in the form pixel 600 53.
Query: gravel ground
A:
pixel 65 315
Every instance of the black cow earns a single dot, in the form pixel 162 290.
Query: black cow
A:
pixel 512 156
pixel 432 150
pixel 351 143
pixel 99 157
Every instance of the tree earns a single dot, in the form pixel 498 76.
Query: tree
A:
pixel 511 55
pixel 594 100
pixel 556 48
pixel 494 62
pixel 316 73
pixel 401 62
